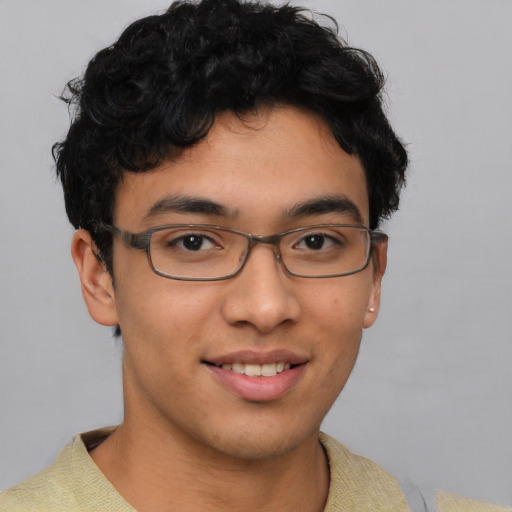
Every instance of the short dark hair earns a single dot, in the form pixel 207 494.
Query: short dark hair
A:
pixel 159 88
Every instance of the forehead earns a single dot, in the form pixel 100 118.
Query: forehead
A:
pixel 259 166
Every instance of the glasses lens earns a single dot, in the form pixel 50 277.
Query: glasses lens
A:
pixel 197 252
pixel 184 252
pixel 323 251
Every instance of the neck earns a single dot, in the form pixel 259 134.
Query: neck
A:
pixel 154 469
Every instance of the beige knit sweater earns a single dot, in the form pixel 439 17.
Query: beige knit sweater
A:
pixel 75 484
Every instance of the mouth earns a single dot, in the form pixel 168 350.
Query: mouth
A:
pixel 256 370
pixel 258 377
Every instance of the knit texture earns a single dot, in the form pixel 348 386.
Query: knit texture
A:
pixel 451 503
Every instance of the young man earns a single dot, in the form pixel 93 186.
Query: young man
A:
pixel 226 170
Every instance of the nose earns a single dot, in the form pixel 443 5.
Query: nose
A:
pixel 262 294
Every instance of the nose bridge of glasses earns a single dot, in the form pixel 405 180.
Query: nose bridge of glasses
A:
pixel 272 240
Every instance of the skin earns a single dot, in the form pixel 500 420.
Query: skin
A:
pixel 187 439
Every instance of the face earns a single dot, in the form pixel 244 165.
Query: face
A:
pixel 184 340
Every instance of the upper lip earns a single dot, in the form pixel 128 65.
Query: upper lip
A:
pixel 254 357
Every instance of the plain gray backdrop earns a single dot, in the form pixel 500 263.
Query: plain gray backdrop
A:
pixel 430 396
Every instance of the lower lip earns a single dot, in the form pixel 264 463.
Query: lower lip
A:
pixel 259 389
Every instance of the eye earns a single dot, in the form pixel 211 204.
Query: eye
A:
pixel 192 242
pixel 317 242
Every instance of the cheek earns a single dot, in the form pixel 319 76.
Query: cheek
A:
pixel 162 337
pixel 162 318
pixel 338 311
pixel 340 304
pixel 158 315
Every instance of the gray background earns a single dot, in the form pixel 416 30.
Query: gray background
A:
pixel 430 395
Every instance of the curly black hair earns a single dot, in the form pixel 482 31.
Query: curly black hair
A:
pixel 159 88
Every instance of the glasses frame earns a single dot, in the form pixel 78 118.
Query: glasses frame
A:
pixel 142 241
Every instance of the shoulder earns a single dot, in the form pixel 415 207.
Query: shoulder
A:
pixel 73 483
pixel 48 490
pixel 357 483
pixel 447 502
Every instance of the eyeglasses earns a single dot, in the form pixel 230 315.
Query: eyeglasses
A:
pixel 202 252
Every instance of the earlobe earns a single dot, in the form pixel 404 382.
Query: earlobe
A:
pixel 379 267
pixel 372 311
pixel 95 280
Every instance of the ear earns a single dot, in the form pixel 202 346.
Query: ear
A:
pixel 96 282
pixel 379 262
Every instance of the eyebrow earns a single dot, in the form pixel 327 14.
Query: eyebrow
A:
pixel 330 204
pixel 188 204
pixel 200 205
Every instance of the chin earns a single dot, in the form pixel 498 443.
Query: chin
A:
pixel 252 443
pixel 257 450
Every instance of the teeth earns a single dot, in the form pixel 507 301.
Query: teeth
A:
pixel 258 370
pixel 268 370
pixel 253 370
pixel 239 368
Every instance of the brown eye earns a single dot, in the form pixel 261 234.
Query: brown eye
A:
pixel 317 242
pixel 314 242
pixel 192 242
